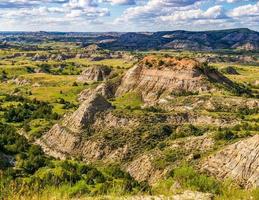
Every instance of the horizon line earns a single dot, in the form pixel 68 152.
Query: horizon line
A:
pixel 227 29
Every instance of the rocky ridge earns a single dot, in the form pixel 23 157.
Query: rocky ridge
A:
pixel 239 161
pixel 157 78
pixel 64 138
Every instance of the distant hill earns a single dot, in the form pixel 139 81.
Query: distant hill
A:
pixel 243 39
pixel 185 40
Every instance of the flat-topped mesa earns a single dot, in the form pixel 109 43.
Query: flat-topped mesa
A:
pixel 95 73
pixel 239 161
pixel 157 77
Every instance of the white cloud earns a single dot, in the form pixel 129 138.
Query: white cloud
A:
pixel 246 10
pixel 137 14
pixel 80 3
pixel 215 12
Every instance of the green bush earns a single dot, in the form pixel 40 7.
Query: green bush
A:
pixel 187 130
pixel 189 178
pixel 225 135
pixel 79 189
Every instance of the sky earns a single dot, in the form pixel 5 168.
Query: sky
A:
pixel 127 15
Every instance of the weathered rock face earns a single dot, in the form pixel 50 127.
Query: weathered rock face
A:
pixel 249 46
pixel 65 138
pixel 155 78
pixel 96 73
pixel 39 57
pixel 92 48
pixel 239 161
pixel 143 168
pixel 107 90
pixel 185 44
pixel 85 113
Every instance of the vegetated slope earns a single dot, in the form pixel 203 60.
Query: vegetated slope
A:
pixel 146 141
pixel 185 40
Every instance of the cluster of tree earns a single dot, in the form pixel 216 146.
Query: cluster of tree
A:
pixel 241 130
pixel 3 76
pixel 59 69
pixel 66 104
pixel 30 110
pixel 28 158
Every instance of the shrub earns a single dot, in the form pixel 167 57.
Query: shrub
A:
pixel 187 130
pixel 225 135
pixel 75 84
pixel 79 189
pixel 189 178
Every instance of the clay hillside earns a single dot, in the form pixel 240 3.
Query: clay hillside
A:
pixel 161 113
pixel 157 78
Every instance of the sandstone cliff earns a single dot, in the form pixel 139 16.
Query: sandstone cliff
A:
pixel 65 138
pixel 239 161
pixel 155 78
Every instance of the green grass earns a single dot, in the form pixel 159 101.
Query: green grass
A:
pixel 129 100
pixel 247 74
pixel 115 63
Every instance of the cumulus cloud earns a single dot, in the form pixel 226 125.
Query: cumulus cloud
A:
pixel 27 3
pixel 215 12
pixel 154 9
pixel 120 2
pixel 246 10
pixel 137 14
pixel 81 3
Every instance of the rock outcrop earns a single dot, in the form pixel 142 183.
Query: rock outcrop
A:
pixel 239 161
pixel 144 168
pixel 155 78
pixel 249 46
pixel 107 90
pixel 95 73
pixel 64 139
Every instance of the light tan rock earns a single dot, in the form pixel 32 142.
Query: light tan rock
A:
pixel 95 73
pixel 142 169
pixel 155 78
pixel 66 138
pixel 239 161
pixel 85 113
pixel 107 90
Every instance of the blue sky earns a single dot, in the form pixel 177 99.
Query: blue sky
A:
pixel 127 15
